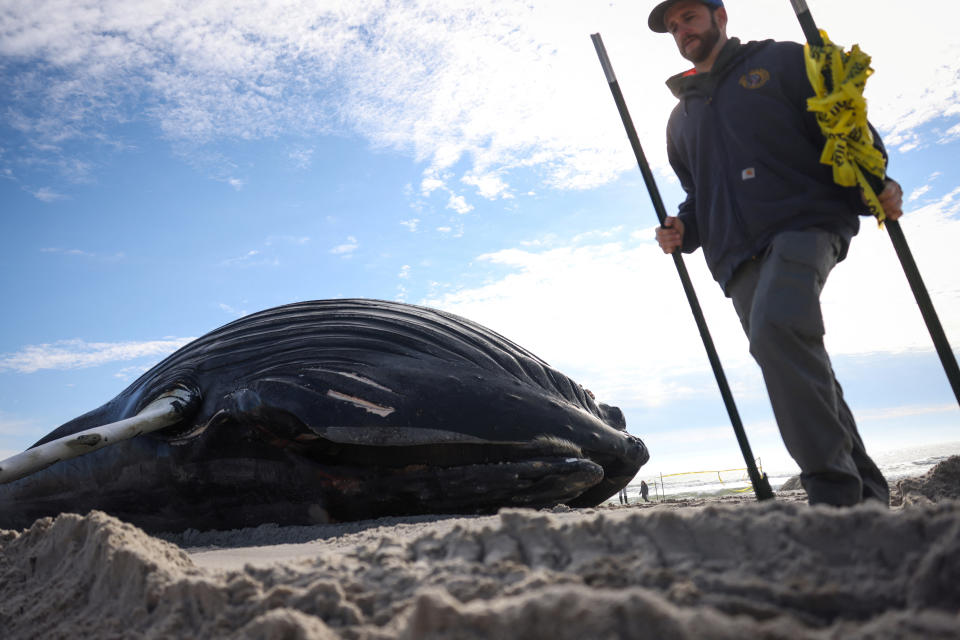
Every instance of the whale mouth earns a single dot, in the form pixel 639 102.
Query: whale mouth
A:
pixel 270 458
pixel 364 473
pixel 434 447
pixel 465 488
pixel 569 474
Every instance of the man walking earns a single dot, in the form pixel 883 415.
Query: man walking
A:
pixel 772 224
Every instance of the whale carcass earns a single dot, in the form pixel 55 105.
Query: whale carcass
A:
pixel 337 410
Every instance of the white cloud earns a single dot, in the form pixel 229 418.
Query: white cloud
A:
pixel 347 248
pixel 950 135
pixel 459 204
pixel 127 374
pixel 67 252
pixel 546 240
pixel 411 224
pixel 252 258
pixel 287 239
pixel 75 354
pixel 907 411
pixel 597 312
pixel 885 316
pixel 233 311
pixel 430 184
pixel 301 157
pixel 505 85
pixel 79 253
pixel 922 190
pixel 404 272
pixel 601 234
pixel 489 186
pixel 45 194
pixel 918 192
pixel 269 255
pixel 12 426
pixel 17 433
pixel 613 314
pixel 454 231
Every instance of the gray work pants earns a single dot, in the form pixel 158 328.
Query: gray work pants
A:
pixel 777 296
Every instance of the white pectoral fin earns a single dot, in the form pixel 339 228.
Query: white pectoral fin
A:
pixel 166 410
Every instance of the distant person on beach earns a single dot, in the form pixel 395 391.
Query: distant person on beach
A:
pixel 772 224
pixel 623 496
pixel 644 491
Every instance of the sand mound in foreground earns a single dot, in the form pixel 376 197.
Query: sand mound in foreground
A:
pixel 942 482
pixel 773 570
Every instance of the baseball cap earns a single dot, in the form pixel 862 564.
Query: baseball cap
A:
pixel 655 21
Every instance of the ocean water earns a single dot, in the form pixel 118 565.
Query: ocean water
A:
pixel 901 463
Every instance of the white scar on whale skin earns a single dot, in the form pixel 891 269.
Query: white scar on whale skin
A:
pixel 368 406
pixel 363 380
pixel 353 376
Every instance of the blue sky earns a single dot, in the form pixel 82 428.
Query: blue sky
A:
pixel 167 168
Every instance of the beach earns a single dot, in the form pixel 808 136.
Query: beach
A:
pixel 715 567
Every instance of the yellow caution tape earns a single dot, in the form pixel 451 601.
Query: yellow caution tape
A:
pixel 842 115
pixel 690 473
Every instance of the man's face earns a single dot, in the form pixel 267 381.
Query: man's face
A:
pixel 694 29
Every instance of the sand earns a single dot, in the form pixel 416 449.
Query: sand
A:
pixel 711 568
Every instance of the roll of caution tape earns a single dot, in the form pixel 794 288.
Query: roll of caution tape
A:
pixel 838 79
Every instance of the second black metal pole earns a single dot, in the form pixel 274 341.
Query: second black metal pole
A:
pixel 761 486
pixel 910 270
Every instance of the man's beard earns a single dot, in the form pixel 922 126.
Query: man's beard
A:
pixel 706 43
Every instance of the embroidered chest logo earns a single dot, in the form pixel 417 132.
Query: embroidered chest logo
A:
pixel 754 79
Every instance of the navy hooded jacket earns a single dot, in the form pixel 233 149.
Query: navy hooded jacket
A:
pixel 747 153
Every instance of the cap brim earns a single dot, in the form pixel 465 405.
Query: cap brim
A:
pixel 655 21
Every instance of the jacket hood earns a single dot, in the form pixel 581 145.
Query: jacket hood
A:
pixel 684 82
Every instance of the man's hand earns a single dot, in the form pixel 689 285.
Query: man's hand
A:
pixel 891 199
pixel 670 235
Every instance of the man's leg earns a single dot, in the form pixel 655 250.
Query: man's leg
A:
pixel 778 300
pixel 874 484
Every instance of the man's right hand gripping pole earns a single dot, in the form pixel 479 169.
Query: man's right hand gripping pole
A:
pixel 670 234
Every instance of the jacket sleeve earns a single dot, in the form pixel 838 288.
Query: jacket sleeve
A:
pixel 688 208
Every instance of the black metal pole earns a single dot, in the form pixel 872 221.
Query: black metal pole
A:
pixel 930 317
pixel 761 486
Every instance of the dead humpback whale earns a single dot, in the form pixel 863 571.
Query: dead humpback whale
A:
pixel 337 410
